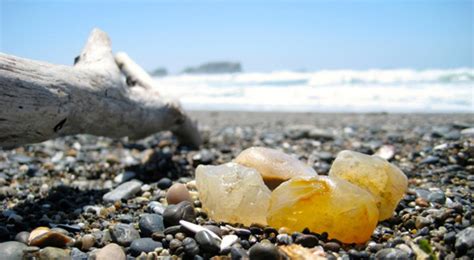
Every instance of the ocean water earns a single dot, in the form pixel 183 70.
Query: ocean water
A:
pixel 401 90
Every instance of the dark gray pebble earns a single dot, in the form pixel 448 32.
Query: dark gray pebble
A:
pixel 207 242
pixel 354 254
pixel 295 235
pixel 264 251
pixel 203 157
pixel 452 135
pixel 238 253
pixel 409 224
pixel 77 254
pixel 124 234
pixel 374 247
pixel 125 218
pixel 437 197
pixel 464 241
pixel 449 238
pixel 307 240
pixel 190 246
pixel 430 160
pixel 421 193
pixel 70 228
pixel 150 223
pixel 143 245
pixel 320 134
pixel 158 236
pixel 332 246
pixel 173 230
pixel 242 232
pixel 4 233
pixel 124 191
pixel 245 244
pixel 164 183
pixel 181 211
pixel 269 230
pixel 197 204
pixel 325 156
pixel 423 232
pixel 21 158
pixel 256 230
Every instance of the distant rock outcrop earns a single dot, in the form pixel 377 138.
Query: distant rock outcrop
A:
pixel 159 72
pixel 215 68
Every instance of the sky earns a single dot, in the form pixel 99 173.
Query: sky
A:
pixel 262 35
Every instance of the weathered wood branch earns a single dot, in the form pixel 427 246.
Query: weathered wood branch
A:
pixel 40 101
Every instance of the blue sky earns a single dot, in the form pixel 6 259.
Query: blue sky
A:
pixel 263 35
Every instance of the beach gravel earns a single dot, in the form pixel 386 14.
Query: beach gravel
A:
pixel 110 196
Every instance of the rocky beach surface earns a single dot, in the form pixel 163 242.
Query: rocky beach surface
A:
pixel 86 197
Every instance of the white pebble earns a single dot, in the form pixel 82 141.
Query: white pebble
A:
pixel 228 241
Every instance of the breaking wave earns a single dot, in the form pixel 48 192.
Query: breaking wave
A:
pixel 401 90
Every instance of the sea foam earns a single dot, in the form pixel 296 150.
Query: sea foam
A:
pixel 401 90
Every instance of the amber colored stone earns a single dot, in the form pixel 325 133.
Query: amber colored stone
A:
pixel 38 232
pixel 43 237
pixel 233 193
pixel 322 204
pixel 274 166
pixel 384 180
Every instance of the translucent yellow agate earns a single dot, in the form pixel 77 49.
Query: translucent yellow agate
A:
pixel 274 166
pixel 322 204
pixel 385 181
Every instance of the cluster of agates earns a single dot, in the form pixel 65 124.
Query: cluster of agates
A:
pixel 266 186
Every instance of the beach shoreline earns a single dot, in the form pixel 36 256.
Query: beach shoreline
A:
pixel 222 118
pixel 61 183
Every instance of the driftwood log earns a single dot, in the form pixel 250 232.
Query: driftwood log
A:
pixel 100 95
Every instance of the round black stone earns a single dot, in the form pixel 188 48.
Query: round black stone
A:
pixel 143 245
pixel 173 230
pixel 181 211
pixel 191 248
pixel 238 253
pixel 150 223
pixel 307 240
pixel 264 251
pixel 164 183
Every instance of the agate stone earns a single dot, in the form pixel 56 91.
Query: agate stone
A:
pixel 274 166
pixel 322 204
pixel 385 181
pixel 233 193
